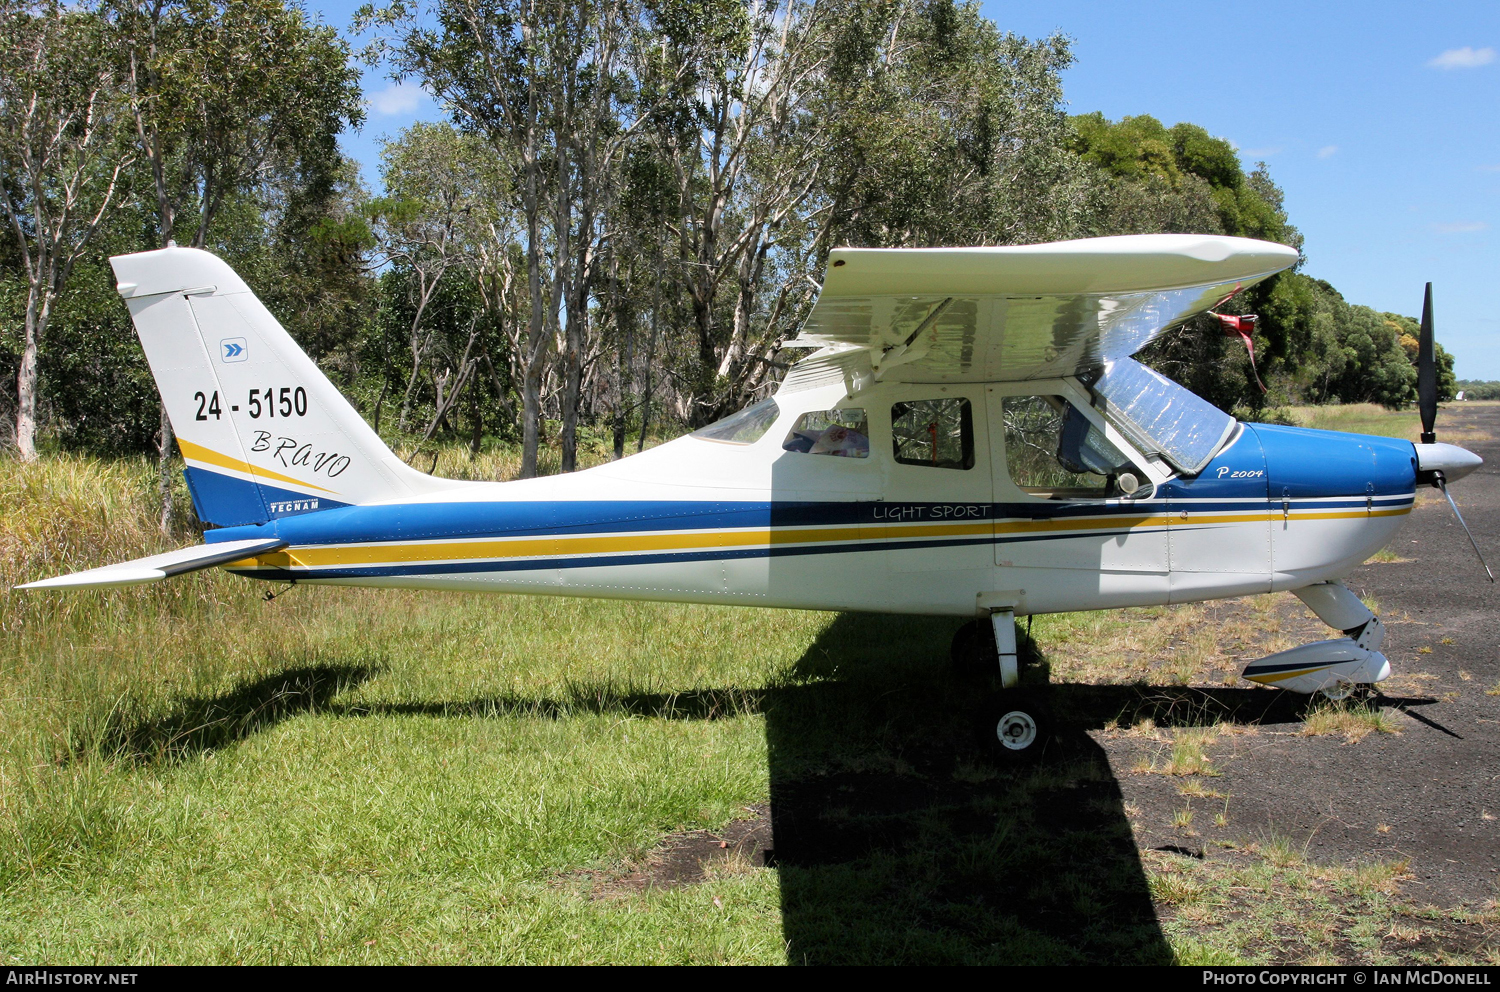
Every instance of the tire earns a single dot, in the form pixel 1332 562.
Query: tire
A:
pixel 973 652
pixel 1019 728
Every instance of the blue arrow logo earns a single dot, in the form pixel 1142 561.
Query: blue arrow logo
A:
pixel 234 349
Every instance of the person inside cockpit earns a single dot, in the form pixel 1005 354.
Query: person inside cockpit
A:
pixel 840 433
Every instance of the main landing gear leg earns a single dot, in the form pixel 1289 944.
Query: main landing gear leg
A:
pixel 1004 623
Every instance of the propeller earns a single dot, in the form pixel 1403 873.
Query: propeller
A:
pixel 1427 401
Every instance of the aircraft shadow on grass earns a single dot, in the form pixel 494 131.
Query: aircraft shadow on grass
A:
pixel 897 836
pixel 199 724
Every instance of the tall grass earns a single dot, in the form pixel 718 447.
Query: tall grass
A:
pixel 389 765
pixel 500 461
pixel 76 666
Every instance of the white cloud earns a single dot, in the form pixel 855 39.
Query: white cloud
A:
pixel 397 98
pixel 1327 151
pixel 1461 227
pixel 1463 58
pixel 1488 168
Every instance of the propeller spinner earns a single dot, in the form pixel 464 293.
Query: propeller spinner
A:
pixel 1438 463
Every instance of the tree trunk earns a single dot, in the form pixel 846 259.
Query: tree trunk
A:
pixel 563 288
pixel 624 357
pixel 476 423
pixel 531 417
pixel 572 390
pixel 536 340
pixel 26 384
pixel 640 444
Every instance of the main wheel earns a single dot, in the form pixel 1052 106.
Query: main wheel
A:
pixel 1017 730
pixel 1020 732
pixel 973 651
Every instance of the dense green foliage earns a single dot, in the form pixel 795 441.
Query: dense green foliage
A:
pixel 1311 346
pixel 628 212
pixel 1476 389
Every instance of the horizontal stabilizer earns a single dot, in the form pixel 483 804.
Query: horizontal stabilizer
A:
pixel 158 567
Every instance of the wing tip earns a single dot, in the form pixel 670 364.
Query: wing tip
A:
pixel 83 580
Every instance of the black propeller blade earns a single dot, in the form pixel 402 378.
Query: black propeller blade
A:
pixel 1427 372
pixel 1427 400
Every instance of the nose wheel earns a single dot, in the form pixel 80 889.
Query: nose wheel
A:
pixel 1339 691
pixel 1357 692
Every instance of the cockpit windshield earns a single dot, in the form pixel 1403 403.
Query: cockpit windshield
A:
pixel 1161 417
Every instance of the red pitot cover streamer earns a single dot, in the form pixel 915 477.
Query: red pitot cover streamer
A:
pixel 1242 326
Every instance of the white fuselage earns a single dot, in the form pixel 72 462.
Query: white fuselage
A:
pixel 711 521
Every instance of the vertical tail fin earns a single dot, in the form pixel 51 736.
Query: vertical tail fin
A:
pixel 263 431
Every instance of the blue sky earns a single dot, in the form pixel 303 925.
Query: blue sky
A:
pixel 1381 121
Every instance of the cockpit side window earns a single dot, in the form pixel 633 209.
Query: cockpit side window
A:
pixel 1053 451
pixel 842 433
pixel 934 433
pixel 745 427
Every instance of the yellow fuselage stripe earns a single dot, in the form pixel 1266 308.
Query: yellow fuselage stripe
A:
pixel 1282 676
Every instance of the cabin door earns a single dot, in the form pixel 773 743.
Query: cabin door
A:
pixel 936 507
pixel 1075 515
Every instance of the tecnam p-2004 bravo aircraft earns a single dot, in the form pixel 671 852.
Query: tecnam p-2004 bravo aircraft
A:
pixel 971 438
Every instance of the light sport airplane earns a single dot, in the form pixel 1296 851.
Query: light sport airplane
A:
pixel 971 438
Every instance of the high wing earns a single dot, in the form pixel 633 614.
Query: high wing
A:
pixel 1026 312
pixel 157 567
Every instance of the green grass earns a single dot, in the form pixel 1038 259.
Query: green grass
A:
pixel 189 773
pixel 1260 902
pixel 1360 418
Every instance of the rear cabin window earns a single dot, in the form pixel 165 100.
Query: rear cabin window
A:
pixel 841 433
pixel 745 427
pixel 934 433
pixel 1053 451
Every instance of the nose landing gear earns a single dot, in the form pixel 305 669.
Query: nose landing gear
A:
pixel 1339 668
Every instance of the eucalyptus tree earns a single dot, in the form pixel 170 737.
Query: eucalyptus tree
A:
pixel 538 81
pixel 444 194
pixel 946 131
pixel 731 83
pixel 220 89
pixel 488 61
pixel 62 161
